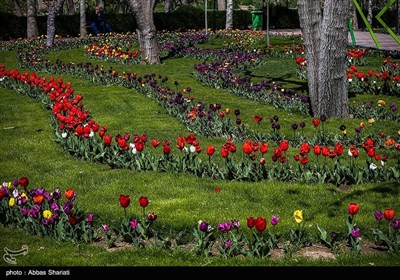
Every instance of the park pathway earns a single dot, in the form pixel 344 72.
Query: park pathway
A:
pixel 362 39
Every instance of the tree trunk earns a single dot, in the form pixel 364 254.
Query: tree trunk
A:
pixel 51 27
pixel 354 20
pixel 31 25
pixel 122 8
pixel 325 43
pixel 147 33
pixel 229 15
pixel 221 5
pixel 168 6
pixel 17 9
pixel 310 22
pixel 70 7
pixel 82 18
pixel 333 84
pixel 369 15
pixel 185 2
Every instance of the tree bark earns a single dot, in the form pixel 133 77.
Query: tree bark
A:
pixel 51 27
pixel 17 9
pixel 229 15
pixel 325 42
pixel 82 18
pixel 354 20
pixel 168 6
pixel 122 8
pixel 147 33
pixel 70 7
pixel 221 5
pixel 333 84
pixel 369 15
pixel 310 19
pixel 31 25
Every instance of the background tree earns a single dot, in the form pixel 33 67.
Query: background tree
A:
pixel 229 15
pixel 69 7
pixel 31 25
pixel 168 6
pixel 146 32
pixel 325 41
pixel 17 8
pixel 51 27
pixel 82 18
pixel 221 5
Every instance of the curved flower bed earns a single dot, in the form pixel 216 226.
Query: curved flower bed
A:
pixel 56 214
pixel 83 137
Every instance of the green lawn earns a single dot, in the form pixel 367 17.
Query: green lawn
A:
pixel 28 148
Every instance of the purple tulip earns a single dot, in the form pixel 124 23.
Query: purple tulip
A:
pixel 237 112
pixel 274 220
pixel 294 126
pixel 378 215
pixel 56 194
pixel 396 223
pixel 355 233
pixel 302 124
pixel 90 218
pixel 228 244
pixel 15 182
pixel 203 226
pixel 54 206
pixel 105 228
pixel 235 224
pixel 133 224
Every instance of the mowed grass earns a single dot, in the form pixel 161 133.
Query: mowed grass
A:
pixel 28 148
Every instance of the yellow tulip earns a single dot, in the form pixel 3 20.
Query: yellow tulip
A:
pixel 11 202
pixel 298 216
pixel 47 214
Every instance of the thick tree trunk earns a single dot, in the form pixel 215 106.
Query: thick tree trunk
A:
pixel 325 42
pixel 147 33
pixel 17 9
pixel 31 25
pixel 310 22
pixel 229 15
pixel 333 85
pixel 82 18
pixel 51 27
pixel 168 6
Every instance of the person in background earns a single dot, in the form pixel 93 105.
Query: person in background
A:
pixel 99 22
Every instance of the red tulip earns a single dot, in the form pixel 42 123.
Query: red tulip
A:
pixel 388 214
pixel 261 224
pixel 353 208
pixel 284 145
pixel 69 194
pixel 264 148
pixel 107 140
pixel 258 119
pixel 316 122
pixel 143 201
pixel 247 148
pixel 210 150
pixel 155 143
pixel 124 200
pixel 23 182
pixel 251 222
